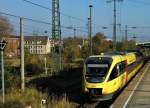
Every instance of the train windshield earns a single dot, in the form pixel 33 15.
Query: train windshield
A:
pixel 96 71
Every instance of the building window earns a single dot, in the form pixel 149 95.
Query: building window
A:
pixel 38 42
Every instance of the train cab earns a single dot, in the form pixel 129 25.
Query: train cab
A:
pixel 105 75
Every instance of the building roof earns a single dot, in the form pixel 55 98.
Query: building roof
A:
pixel 43 39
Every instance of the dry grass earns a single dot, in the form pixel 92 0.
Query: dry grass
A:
pixel 16 99
pixel 32 97
pixel 62 102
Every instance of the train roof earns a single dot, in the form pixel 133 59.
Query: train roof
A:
pixel 116 57
pixel 104 58
pixel 114 54
pixel 108 55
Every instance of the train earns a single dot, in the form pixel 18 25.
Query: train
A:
pixel 106 74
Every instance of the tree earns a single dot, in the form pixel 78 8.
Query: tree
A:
pixel 72 48
pixel 5 27
pixel 131 44
pixel 122 46
pixel 100 44
pixel 85 51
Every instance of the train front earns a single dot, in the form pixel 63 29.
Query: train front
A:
pixel 94 75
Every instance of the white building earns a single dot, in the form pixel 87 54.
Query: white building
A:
pixel 38 44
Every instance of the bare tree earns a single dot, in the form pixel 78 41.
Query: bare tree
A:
pixel 5 27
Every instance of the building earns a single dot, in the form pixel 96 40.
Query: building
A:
pixel 13 46
pixel 35 45
pixel 38 44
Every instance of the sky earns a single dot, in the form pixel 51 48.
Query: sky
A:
pixel 134 13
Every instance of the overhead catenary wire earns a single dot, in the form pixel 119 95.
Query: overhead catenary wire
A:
pixel 38 21
pixel 49 24
pixel 28 29
pixel 69 16
pixel 140 2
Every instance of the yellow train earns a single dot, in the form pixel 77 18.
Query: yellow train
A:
pixel 104 75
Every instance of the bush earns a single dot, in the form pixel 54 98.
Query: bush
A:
pixel 34 69
pixel 12 78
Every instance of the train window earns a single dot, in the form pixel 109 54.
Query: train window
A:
pixel 115 72
pixel 100 69
pixel 122 66
pixel 96 72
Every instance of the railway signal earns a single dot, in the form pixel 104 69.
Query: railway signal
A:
pixel 2 46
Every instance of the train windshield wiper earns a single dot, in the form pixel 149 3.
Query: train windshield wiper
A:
pixel 94 78
pixel 95 75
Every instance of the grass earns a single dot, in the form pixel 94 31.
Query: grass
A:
pixel 31 97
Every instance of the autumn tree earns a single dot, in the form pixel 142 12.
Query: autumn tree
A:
pixel 85 51
pixel 10 70
pixel 72 48
pixel 126 45
pixel 100 43
pixel 5 27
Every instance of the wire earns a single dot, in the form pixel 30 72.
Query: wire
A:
pixel 37 21
pixel 28 28
pixel 38 5
pixel 140 2
pixel 69 16
pixel 51 10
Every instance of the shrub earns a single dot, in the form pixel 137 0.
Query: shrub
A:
pixel 34 69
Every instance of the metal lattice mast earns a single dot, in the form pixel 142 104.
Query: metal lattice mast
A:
pixel 114 22
pixel 55 20
pixel 56 31
pixel 114 26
